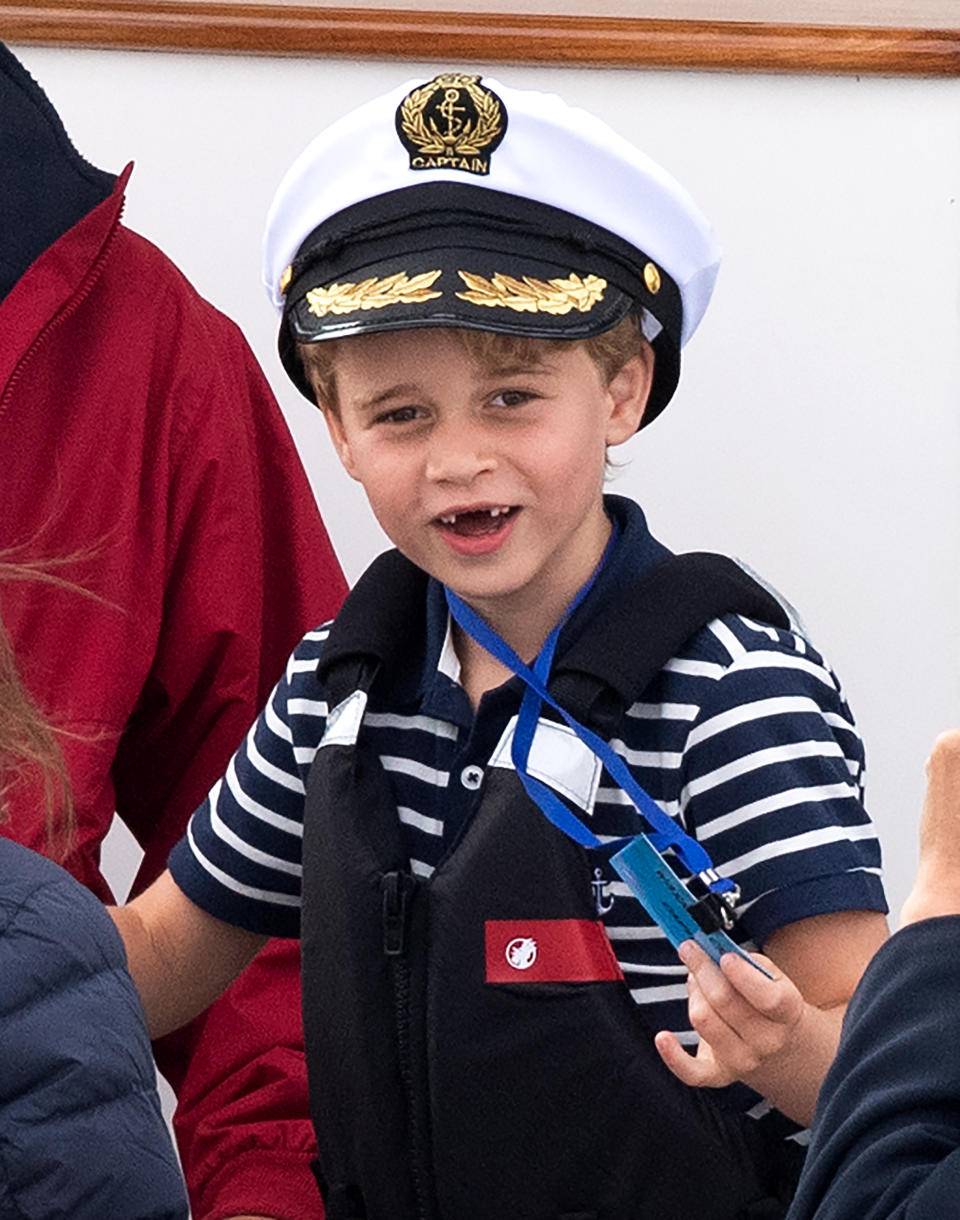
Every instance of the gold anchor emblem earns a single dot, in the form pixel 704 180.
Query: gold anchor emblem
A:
pixel 449 109
pixel 452 122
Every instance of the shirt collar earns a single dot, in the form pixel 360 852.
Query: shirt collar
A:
pixel 635 553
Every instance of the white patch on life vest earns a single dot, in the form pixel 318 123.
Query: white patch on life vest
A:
pixel 343 723
pixel 521 953
pixel 558 758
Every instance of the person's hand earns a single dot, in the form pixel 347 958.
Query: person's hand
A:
pixel 752 1028
pixel 742 1017
pixel 936 887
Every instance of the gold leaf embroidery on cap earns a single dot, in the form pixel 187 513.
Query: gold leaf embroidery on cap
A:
pixel 651 277
pixel 373 293
pixel 452 122
pixel 528 295
pixel 285 280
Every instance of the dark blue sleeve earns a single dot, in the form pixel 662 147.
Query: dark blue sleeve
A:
pixel 886 1142
pixel 82 1130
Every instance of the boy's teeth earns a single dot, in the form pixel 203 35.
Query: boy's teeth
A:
pixel 451 518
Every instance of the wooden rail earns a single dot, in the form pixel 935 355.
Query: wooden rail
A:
pixel 456 38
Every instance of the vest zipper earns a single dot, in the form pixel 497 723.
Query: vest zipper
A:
pixel 397 890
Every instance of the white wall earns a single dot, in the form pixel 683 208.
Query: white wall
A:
pixel 815 433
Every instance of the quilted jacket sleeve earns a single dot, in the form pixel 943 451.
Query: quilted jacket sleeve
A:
pixel 81 1132
pixel 886 1142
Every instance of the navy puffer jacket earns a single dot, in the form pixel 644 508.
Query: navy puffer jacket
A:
pixel 81 1132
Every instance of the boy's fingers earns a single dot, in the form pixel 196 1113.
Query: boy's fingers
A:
pixel 712 997
pixel 777 998
pixel 744 1019
pixel 697 1072
pixel 736 980
pixel 738 1038
pixel 692 956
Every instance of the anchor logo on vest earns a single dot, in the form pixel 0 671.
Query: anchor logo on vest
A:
pixel 604 902
pixel 521 952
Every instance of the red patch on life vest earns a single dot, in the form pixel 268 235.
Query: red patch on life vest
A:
pixel 549 951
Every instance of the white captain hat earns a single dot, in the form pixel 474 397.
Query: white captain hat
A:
pixel 459 201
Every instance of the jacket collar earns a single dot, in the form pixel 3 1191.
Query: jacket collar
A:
pixel 47 185
pixel 56 278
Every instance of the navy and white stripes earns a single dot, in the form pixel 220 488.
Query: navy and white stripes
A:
pixel 745 737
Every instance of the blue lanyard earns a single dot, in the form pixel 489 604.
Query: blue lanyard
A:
pixel 666 832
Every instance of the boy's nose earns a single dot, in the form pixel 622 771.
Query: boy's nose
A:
pixel 458 454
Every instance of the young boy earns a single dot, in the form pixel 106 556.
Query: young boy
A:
pixel 483 289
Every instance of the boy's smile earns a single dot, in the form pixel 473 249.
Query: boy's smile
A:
pixel 488 475
pixel 477 530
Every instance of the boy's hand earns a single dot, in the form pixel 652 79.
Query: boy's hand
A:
pixel 936 888
pixel 742 1017
pixel 754 1029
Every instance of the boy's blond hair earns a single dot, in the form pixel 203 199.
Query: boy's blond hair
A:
pixel 609 352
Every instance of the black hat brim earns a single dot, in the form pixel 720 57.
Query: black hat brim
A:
pixel 446 255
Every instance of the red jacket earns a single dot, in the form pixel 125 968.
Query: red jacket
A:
pixel 139 439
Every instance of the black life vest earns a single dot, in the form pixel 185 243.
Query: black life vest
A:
pixel 437 1095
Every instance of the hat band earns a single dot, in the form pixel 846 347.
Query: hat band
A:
pixel 475 219
pixel 456 255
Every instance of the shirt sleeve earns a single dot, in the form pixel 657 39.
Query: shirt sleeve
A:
pixel 772 784
pixel 886 1137
pixel 240 859
pixel 248 569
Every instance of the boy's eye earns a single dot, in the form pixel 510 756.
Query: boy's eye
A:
pixel 512 398
pixel 398 415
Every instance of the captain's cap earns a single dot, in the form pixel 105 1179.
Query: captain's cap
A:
pixel 462 202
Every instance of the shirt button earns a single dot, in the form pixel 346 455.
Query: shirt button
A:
pixel 471 777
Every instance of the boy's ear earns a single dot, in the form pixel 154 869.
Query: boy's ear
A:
pixel 340 442
pixel 629 390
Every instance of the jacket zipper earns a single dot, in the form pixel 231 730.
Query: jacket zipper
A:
pixel 397 890
pixel 93 274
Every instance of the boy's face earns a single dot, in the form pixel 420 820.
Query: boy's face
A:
pixel 488 477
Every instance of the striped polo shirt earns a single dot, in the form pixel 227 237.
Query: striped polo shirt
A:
pixel 744 737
